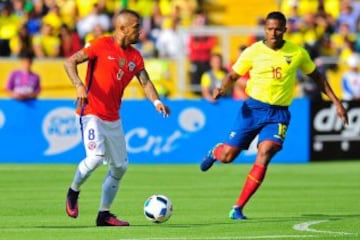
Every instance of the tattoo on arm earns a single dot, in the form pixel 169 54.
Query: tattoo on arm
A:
pixel 71 67
pixel 143 77
pixel 147 85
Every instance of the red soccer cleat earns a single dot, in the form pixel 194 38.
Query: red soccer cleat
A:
pixel 105 218
pixel 72 208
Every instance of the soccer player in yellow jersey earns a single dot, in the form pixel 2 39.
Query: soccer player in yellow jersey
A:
pixel 272 63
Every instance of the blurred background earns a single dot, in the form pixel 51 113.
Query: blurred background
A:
pixel 178 37
pixel 182 41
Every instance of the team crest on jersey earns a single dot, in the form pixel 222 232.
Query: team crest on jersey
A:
pixel 131 66
pixel 122 62
pixel 288 59
pixel 91 145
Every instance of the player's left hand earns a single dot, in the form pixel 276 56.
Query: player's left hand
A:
pixel 163 109
pixel 342 113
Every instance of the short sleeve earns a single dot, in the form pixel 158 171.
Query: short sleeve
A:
pixel 91 48
pixel 243 64
pixel 307 65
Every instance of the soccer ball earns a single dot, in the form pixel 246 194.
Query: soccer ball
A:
pixel 158 208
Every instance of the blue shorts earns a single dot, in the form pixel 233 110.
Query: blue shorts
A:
pixel 270 122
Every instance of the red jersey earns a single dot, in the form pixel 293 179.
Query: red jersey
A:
pixel 110 69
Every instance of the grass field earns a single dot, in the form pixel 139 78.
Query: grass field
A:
pixel 310 201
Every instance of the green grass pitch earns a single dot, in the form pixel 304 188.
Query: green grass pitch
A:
pixel 296 201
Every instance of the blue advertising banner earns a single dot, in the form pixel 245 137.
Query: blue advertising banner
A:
pixel 46 131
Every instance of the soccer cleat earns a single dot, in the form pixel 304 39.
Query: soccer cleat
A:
pixel 208 161
pixel 236 213
pixel 72 208
pixel 105 218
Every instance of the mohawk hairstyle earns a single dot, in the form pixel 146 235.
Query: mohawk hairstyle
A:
pixel 129 11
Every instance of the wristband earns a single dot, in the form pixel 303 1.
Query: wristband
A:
pixel 157 102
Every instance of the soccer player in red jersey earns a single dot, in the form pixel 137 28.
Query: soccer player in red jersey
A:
pixel 272 64
pixel 112 64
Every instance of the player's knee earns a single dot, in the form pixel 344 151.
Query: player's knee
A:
pixel 89 164
pixel 226 158
pixel 228 154
pixel 118 171
pixel 268 149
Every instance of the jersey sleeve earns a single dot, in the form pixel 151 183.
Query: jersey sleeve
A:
pixel 243 64
pixel 92 47
pixel 307 65
pixel 140 65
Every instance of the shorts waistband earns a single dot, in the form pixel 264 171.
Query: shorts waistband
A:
pixel 255 102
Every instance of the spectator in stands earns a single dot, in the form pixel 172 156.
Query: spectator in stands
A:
pixel 18 8
pixel 96 32
pixel 200 49
pixel 349 14
pixel 34 18
pixel 351 79
pixel 170 42
pixel 212 78
pixel 68 12
pixel 23 83
pixel 88 23
pixel 312 34
pixel 9 24
pixel 146 46
pixel 256 36
pixel 293 33
pixel 86 7
pixel 347 50
pixel 339 38
pixel 46 44
pixel 152 23
pixel 53 17
pixel 70 41
pixel 21 42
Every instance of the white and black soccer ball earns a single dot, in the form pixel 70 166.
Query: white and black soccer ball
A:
pixel 158 208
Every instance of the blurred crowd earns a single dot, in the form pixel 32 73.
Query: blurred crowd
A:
pixel 58 28
pixel 329 30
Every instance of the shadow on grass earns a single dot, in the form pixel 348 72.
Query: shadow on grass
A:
pixel 197 224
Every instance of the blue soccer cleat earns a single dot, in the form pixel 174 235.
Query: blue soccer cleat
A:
pixel 208 161
pixel 236 213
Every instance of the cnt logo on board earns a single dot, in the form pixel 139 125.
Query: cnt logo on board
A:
pixel 60 130
pixel 139 139
pixel 330 140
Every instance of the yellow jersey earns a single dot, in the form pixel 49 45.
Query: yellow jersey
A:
pixel 273 72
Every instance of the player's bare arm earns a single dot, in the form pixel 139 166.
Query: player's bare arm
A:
pixel 151 93
pixel 72 72
pixel 226 83
pixel 326 88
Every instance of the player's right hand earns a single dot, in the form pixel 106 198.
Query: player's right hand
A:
pixel 82 98
pixel 217 93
